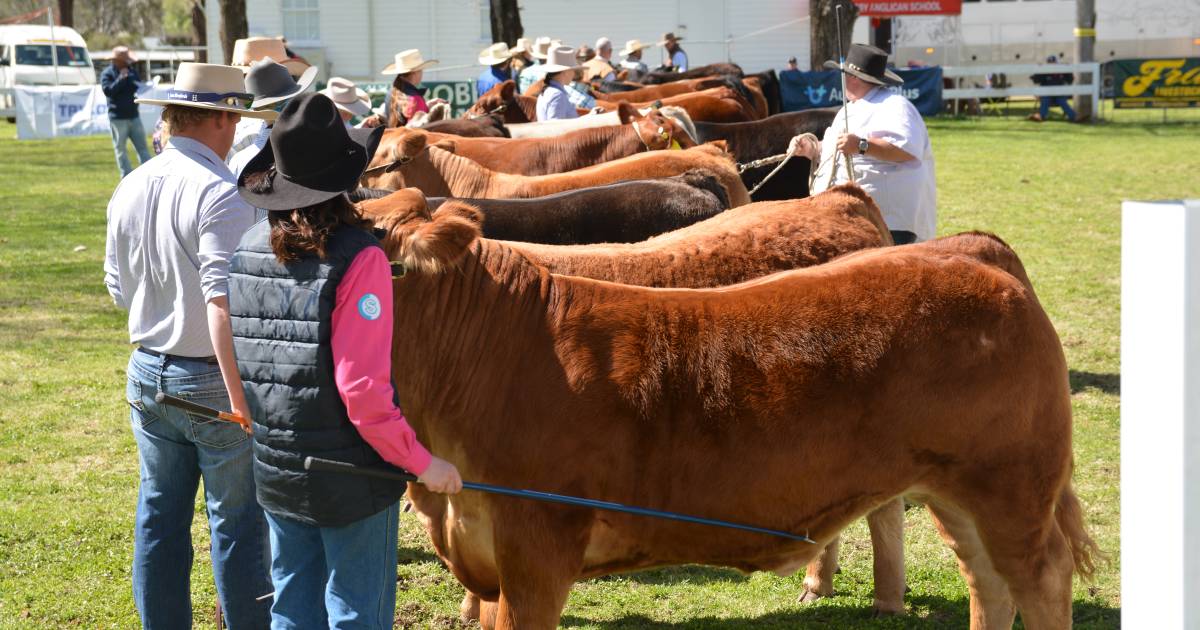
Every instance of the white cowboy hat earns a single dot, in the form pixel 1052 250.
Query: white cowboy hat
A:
pixel 210 86
pixel 524 45
pixel 633 46
pixel 247 51
pixel 561 58
pixel 494 54
pixel 407 61
pixel 347 96
pixel 541 47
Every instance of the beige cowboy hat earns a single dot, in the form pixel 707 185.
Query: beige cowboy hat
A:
pixel 542 47
pixel 524 45
pixel 247 51
pixel 668 37
pixel 633 46
pixel 494 54
pixel 561 58
pixel 407 61
pixel 124 50
pixel 348 97
pixel 210 86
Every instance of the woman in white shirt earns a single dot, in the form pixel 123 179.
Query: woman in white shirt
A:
pixel 554 103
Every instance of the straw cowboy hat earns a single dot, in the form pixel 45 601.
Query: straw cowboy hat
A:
pixel 247 51
pixel 313 153
pixel 633 46
pixel 542 47
pixel 494 54
pixel 210 86
pixel 867 63
pixel 561 58
pixel 668 37
pixel 272 83
pixel 524 45
pixel 407 61
pixel 348 97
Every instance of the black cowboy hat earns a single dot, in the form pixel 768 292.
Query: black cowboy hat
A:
pixel 311 156
pixel 867 63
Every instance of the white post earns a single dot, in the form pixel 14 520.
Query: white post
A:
pixel 53 60
pixel 1160 414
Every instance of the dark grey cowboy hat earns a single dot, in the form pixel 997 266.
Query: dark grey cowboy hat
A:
pixel 867 63
pixel 310 157
pixel 270 82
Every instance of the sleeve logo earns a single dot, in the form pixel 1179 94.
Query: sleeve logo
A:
pixel 369 307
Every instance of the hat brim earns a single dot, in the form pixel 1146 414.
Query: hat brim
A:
pixel 889 77
pixel 627 52
pixel 268 115
pixel 393 69
pixel 288 195
pixel 551 68
pixel 491 61
pixel 359 107
pixel 664 41
pixel 302 84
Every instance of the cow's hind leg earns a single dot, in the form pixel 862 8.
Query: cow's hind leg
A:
pixel 991 604
pixel 1036 562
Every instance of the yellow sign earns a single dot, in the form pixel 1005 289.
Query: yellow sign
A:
pixel 1172 79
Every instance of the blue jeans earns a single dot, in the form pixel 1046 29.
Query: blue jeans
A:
pixel 334 577
pixel 123 129
pixel 176 449
pixel 1049 101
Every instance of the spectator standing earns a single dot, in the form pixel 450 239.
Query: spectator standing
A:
pixel 173 225
pixel 497 58
pixel 632 65
pixel 600 67
pixel 521 58
pixel 246 52
pixel 554 103
pixel 119 81
pixel 677 60
pixel 534 73
pixel 272 86
pixel 405 98
pixel 1047 79
pixel 351 102
pixel 887 144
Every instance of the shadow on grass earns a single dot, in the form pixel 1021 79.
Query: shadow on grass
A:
pixel 689 574
pixel 1107 383
pixel 924 612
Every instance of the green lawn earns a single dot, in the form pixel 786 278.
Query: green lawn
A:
pixel 68 476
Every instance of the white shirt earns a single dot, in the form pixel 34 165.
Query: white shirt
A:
pixel 245 133
pixel 905 191
pixel 173 224
pixel 249 150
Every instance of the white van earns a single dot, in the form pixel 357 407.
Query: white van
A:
pixel 27 59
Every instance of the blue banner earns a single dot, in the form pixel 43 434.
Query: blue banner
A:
pixel 806 90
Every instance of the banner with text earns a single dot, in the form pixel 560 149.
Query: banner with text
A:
pixel 806 90
pixel 1172 82
pixel 460 94
pixel 72 110
pixel 892 8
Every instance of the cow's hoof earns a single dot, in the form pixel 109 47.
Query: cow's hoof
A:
pixel 809 596
pixel 887 611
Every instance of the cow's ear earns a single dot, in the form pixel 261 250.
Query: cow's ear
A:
pixel 626 112
pixel 410 145
pixel 507 89
pixel 446 145
pixel 442 241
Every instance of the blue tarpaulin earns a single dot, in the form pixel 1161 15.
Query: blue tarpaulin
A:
pixel 806 90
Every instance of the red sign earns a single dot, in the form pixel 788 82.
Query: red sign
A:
pixel 891 8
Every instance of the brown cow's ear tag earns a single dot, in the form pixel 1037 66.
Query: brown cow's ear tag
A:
pixel 398 269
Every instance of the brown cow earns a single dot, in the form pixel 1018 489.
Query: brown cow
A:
pixel 567 152
pixel 438 172
pixel 775 402
pixel 718 104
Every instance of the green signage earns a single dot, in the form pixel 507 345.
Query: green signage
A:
pixel 460 94
pixel 1168 82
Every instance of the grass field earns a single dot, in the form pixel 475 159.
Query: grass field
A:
pixel 68 476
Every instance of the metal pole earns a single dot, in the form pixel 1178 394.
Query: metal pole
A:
pixel 1085 45
pixel 845 98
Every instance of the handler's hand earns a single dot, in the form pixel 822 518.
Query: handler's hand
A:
pixel 805 147
pixel 441 477
pixel 373 120
pixel 848 143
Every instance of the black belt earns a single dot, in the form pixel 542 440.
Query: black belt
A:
pixel 156 353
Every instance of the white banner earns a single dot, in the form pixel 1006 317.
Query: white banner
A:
pixel 73 110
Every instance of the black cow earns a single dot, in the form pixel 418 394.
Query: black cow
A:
pixel 756 139
pixel 624 212
pixel 656 77
pixel 490 126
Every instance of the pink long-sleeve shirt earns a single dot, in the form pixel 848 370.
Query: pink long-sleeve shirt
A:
pixel 362 325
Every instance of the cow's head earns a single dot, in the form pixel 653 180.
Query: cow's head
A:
pixel 402 161
pixel 501 99
pixel 429 242
pixel 658 132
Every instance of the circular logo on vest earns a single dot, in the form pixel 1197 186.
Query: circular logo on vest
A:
pixel 369 307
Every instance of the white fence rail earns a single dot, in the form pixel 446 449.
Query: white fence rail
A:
pixel 958 73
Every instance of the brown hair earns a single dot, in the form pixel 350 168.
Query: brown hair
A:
pixel 179 118
pixel 296 233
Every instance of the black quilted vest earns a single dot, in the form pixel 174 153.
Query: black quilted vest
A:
pixel 281 318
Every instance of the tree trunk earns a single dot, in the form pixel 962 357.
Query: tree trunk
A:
pixel 1085 45
pixel 233 25
pixel 66 13
pixel 506 21
pixel 199 30
pixel 824 31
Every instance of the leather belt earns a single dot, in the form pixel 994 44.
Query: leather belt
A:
pixel 156 353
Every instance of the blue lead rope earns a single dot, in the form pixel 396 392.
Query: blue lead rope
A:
pixel 328 465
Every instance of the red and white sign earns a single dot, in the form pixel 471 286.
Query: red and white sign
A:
pixel 891 8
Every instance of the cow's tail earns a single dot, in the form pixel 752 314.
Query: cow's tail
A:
pixel 1084 550
pixel 706 181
